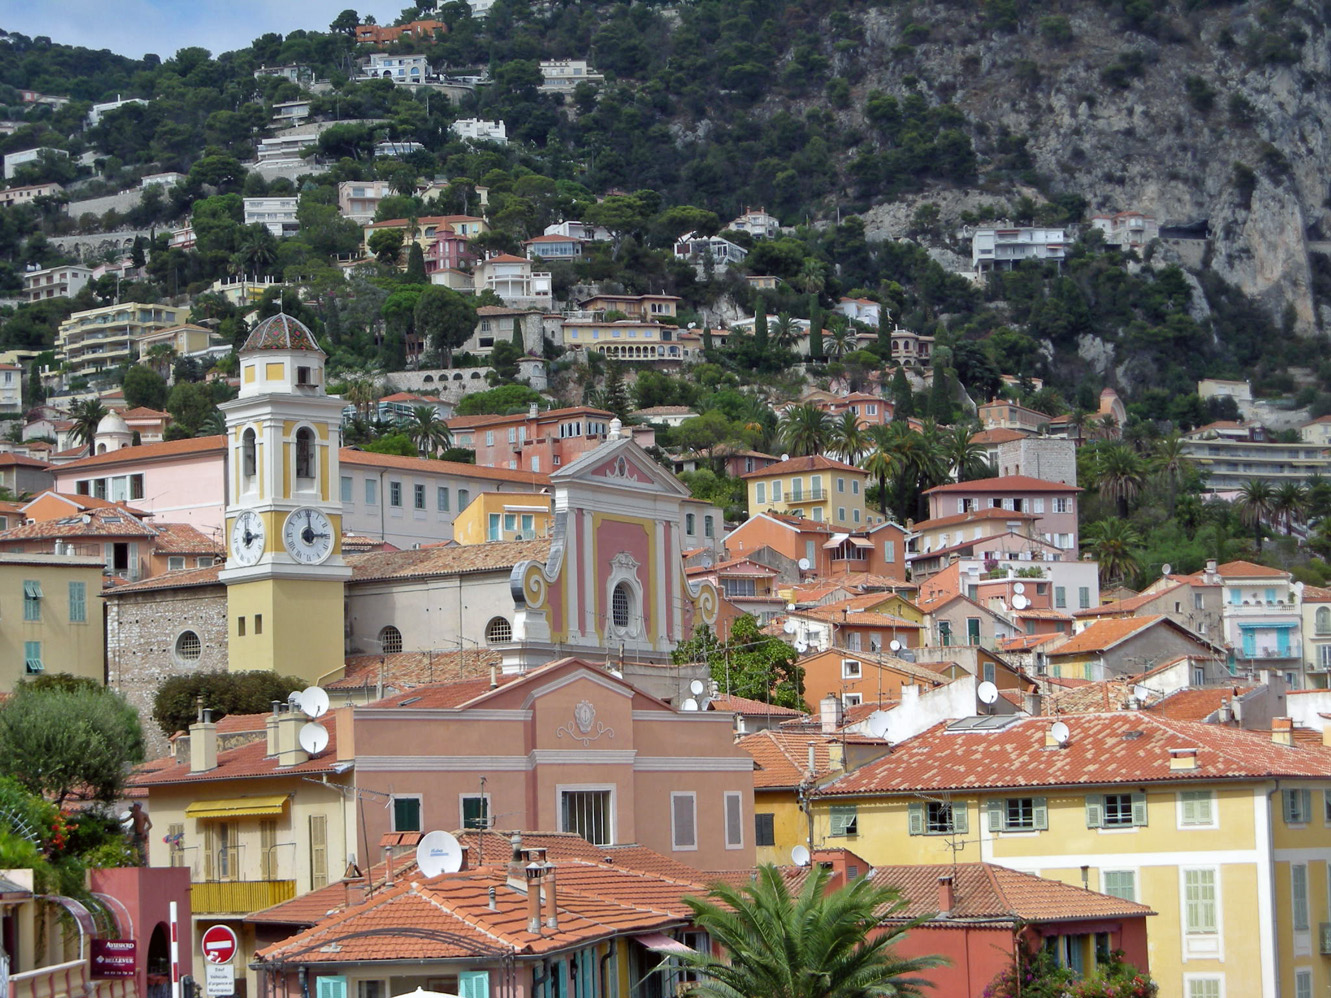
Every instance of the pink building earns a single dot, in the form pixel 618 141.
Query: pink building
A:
pixel 538 441
pixel 1055 503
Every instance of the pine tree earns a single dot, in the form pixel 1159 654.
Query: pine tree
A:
pixel 614 395
pixel 903 399
pixel 884 331
pixel 815 329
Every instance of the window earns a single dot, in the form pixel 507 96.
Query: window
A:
pixel 708 527
pixel 1298 895
pixel 346 486
pixel 1060 597
pixel 1199 901
pixel 620 604
pixel 175 563
pixel 840 484
pixel 268 850
pixel 32 658
pixel 587 813
pixel 418 495
pixel 248 458
pixel 464 498
pixel 1297 806
pixel 1119 884
pixel 1197 601
pixel 319 860
pixel 1303 984
pixel 855 487
pixel 371 491
pixel 395 494
pixel 1062 505
pixel 1194 808
pixel 492 532
pixel 683 821
pixel 78 602
pixel 475 810
pixel 940 817
pixel 889 551
pixel 764 829
pixel 690 521
pixel 221 851
pixel 1115 810
pixel 390 640
pixel 1083 597
pixel 990 672
pixel 407 814
pixel 489 438
pixel 498 631
pixel 1018 814
pixel 760 492
pixel 1205 987
pixel 734 808
pixel 258 623
pixel 32 600
pixel 189 647
pixel 845 820
pixel 794 491
pixel 304 453
pixel 175 839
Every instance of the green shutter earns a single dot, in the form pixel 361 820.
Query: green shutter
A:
pixel 332 987
pixel 472 984
pixel 960 817
pixel 844 819
pixel 1041 808
pixel 1305 805
pixel 1287 805
pixel 916 818
pixel 1139 809
pixel 996 808
pixel 1095 810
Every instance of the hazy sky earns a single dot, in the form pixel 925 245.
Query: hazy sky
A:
pixel 133 27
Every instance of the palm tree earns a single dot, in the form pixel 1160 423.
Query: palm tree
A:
pixel 841 342
pixel 814 944
pixel 86 413
pixel 849 441
pixel 427 431
pixel 805 429
pixel 811 278
pixel 1121 475
pixel 882 462
pixel 1111 542
pixel 160 357
pixel 1319 495
pixel 1289 503
pixel 257 250
pixel 361 390
pixel 1256 501
pixel 1170 461
pixel 966 460
pixel 784 333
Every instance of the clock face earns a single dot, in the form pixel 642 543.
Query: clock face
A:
pixel 308 535
pixel 247 538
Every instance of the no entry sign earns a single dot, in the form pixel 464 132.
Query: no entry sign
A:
pixel 220 944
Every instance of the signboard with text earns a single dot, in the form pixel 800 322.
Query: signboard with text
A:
pixel 113 957
pixel 219 980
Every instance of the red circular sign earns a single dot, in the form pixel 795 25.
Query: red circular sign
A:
pixel 220 944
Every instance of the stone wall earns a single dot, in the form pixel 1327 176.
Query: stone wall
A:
pixel 1051 459
pixel 142 631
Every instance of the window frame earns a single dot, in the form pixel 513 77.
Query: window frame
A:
pixel 32 601
pixel 1214 902
pixel 78 602
pixel 609 789
pixel 843 820
pixel 1000 814
pixel 735 826
pixel 764 829
pixel 485 810
pixel 1296 806
pixel 1184 797
pixel 393 801
pixel 677 826
pixel 394 494
pixel 1130 873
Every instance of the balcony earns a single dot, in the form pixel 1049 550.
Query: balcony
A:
pixel 813 495
pixel 222 897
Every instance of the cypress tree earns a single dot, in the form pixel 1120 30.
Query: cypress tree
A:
pixel 36 390
pixel 903 399
pixel 760 325
pixel 517 337
pixel 815 329
pixel 707 339
pixel 940 396
pixel 416 266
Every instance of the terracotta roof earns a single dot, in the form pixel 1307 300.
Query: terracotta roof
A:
pixel 1316 594
pixel 781 759
pixel 1103 749
pixel 87 502
pixel 111 522
pixel 10 459
pixel 545 415
pixel 185 538
pixel 170 580
pixel 143 412
pixel 987 892
pixel 1025 642
pixel 1104 634
pixel 349 455
pixel 836 613
pixel 162 451
pixel 1198 703
pixel 457 560
pixel 743 705
pixel 408 670
pixel 1249 570
pixel 998 435
pixel 1130 605
pixel 992 513
pixel 248 761
pixel 1005 483
pixel 795 465
pixel 1034 614
pixel 281 332
pixel 1093 697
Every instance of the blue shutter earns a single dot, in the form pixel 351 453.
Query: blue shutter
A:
pixel 472 984
pixel 332 987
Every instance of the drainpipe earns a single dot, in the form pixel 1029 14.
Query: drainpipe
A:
pixel 538 978
pixel 609 952
pixel 383 500
pixel 303 975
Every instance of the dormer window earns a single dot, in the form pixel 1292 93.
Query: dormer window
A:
pixel 304 376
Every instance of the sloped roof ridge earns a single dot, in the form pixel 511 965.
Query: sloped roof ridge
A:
pixel 427 894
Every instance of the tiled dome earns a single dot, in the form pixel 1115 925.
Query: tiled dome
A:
pixel 281 332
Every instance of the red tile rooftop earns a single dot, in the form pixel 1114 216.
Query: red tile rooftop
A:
pixel 1005 483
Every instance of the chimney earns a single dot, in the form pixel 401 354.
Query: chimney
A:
pixel 947 896
pixel 203 743
pixel 289 752
pixel 490 900
pixel 270 727
pixel 551 900
pixel 832 714
pixel 1182 758
pixel 356 890
pixel 813 758
pixel 1282 731
pixel 534 871
pixel 533 411
pixel 1034 702
pixel 1226 713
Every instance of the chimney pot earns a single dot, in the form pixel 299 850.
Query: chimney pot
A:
pixel 551 899
pixel 831 713
pixel 1282 731
pixel 946 896
pixel 202 746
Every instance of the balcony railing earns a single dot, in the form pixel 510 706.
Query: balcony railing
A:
pixel 812 495
pixel 216 897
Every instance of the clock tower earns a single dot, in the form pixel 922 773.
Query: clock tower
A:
pixel 284 571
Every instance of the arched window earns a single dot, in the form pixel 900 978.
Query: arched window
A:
pixel 498 631
pixel 1324 620
pixel 390 640
pixel 621 603
pixel 189 647
pixel 248 456
pixel 304 452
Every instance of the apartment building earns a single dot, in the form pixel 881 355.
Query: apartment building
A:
pixel 94 341
pixel 1127 229
pixel 1004 248
pixel 53 617
pixel 479 130
pixel 504 516
pixel 1233 454
pixel 625 340
pixel 788 542
pixel 538 441
pixel 276 214
pixel 562 76
pixel 1054 503
pixel 359 199
pixel 512 279
pixel 1263 625
pixel 55 282
pixel 819 488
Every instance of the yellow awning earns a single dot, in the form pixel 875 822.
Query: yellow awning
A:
pixel 238 807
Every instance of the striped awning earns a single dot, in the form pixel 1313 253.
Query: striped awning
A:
pixel 238 807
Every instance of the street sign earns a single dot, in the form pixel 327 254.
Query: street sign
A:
pixel 113 957
pixel 220 944
pixel 220 981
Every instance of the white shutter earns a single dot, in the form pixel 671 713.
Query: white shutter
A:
pixel 684 833
pixel 734 821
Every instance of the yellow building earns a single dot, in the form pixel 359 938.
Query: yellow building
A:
pixel 50 617
pixel 185 340
pixel 818 487
pixel 99 339
pixel 503 516
pixel 284 572
pixel 1221 831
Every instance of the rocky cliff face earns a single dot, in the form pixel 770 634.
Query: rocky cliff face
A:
pixel 1218 113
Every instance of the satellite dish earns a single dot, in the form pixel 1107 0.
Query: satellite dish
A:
pixel 987 692
pixel 790 606
pixel 877 723
pixel 690 704
pixel 707 561
pixel 1020 602
pixel 790 627
pixel 313 737
pixel 1060 732
pixel 894 644
pixel 1019 587
pixel 314 701
pixel 1141 693
pixel 1166 569
pixel 801 646
pixel 293 698
pixel 800 856
pixel 438 852
pixel 805 564
pixel 697 687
